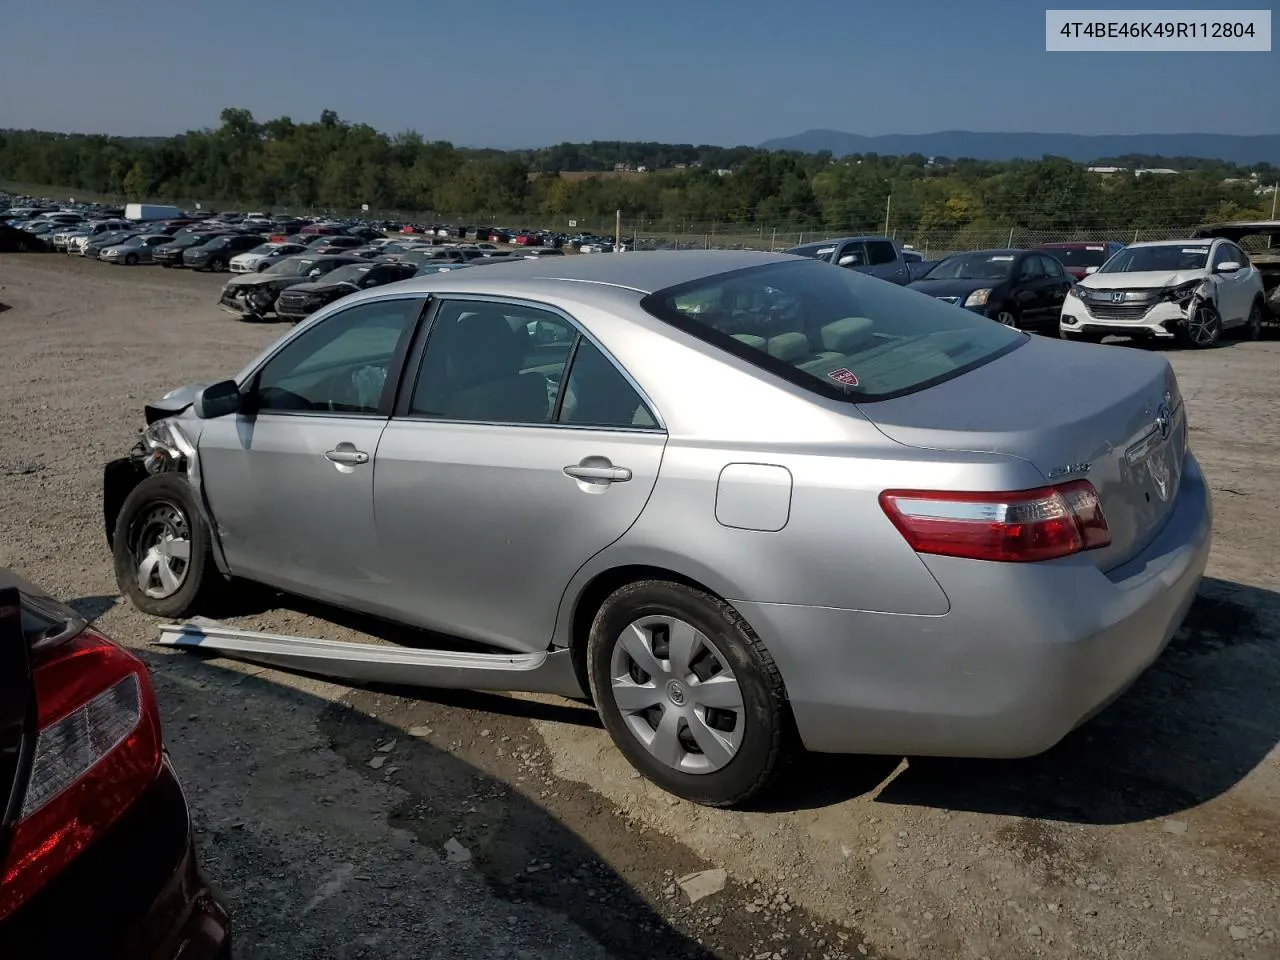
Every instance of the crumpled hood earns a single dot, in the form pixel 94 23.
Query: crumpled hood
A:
pixel 173 402
pixel 322 286
pixel 255 280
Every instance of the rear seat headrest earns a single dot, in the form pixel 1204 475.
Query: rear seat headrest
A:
pixel 847 335
pixel 751 340
pixel 789 346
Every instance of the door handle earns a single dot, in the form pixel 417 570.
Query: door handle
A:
pixel 347 456
pixel 605 474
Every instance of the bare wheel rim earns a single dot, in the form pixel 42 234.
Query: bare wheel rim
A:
pixel 1006 318
pixel 161 549
pixel 1200 326
pixel 677 694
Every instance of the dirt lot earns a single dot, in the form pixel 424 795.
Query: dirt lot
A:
pixel 324 812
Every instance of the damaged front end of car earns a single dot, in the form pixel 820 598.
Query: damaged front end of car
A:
pixel 247 301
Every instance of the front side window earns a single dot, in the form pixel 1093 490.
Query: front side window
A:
pixel 505 363
pixel 880 252
pixel 341 364
pixel 837 332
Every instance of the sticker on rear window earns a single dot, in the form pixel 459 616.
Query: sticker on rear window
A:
pixel 996 259
pixel 1095 248
pixel 847 377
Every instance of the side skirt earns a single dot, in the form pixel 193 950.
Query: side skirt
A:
pixel 548 672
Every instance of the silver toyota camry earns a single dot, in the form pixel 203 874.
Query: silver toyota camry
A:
pixel 744 502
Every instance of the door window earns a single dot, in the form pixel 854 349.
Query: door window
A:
pixel 1221 255
pixel 880 252
pixel 1031 269
pixel 853 255
pixel 492 362
pixel 341 364
pixel 1052 267
pixel 505 363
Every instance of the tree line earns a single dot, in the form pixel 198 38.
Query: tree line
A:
pixel 336 166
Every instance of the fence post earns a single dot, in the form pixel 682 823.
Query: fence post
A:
pixel 1135 234
pixel 773 240
pixel 1009 245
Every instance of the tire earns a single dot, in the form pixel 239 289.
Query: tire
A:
pixel 1082 337
pixel 162 509
pixel 1252 329
pixel 1008 318
pixel 1203 330
pixel 217 265
pixel 131 260
pixel 752 743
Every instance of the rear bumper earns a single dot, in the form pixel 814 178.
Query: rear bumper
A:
pixel 135 894
pixel 1026 653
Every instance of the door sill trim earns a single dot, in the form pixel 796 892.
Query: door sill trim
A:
pixel 545 672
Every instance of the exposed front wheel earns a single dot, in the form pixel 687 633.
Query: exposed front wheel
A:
pixel 689 693
pixel 1202 328
pixel 162 548
pixel 1007 317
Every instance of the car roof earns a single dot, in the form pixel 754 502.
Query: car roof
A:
pixel 1187 242
pixel 1073 244
pixel 641 272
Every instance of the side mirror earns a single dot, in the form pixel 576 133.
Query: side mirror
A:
pixel 1090 271
pixel 218 400
pixel 314 273
pixel 1229 267
pixel 849 261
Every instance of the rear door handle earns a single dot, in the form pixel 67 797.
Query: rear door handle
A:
pixel 610 474
pixel 347 455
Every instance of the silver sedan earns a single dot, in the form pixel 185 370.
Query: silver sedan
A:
pixel 744 502
pixel 135 250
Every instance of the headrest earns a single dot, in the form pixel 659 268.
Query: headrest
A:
pixel 788 346
pixel 751 340
pixel 847 335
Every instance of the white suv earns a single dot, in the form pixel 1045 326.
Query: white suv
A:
pixel 1146 289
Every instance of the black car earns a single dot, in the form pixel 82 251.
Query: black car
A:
pixel 97 857
pixel 251 296
pixel 13 240
pixel 1019 288
pixel 305 299
pixel 216 254
pixel 170 254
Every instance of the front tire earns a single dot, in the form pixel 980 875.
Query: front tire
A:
pixel 162 549
pixel 131 260
pixel 1202 329
pixel 1008 318
pixel 688 693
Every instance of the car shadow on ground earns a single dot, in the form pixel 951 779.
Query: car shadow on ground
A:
pixel 1191 728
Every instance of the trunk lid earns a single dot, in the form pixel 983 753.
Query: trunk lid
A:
pixel 1110 415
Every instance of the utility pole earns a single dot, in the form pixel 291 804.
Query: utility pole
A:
pixel 888 205
pixel 1275 188
pixel 617 233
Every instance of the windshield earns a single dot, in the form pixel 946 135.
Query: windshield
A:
pixel 1166 257
pixel 351 273
pixel 264 248
pixel 974 266
pixel 1093 255
pixel 291 267
pixel 836 332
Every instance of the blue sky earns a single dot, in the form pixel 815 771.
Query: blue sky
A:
pixel 511 73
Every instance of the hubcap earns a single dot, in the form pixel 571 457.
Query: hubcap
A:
pixel 161 550
pixel 677 694
pixel 1006 318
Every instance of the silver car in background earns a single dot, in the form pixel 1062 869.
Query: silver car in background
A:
pixel 135 250
pixel 743 501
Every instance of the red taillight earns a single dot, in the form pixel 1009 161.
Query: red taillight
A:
pixel 1020 527
pixel 98 748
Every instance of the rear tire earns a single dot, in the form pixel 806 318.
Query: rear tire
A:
pixel 708 720
pixel 1252 329
pixel 217 265
pixel 163 550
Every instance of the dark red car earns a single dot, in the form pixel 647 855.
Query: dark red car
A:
pixel 96 851
pixel 1077 257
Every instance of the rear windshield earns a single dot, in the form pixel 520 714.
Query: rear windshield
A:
pixel 833 331
pixel 1094 255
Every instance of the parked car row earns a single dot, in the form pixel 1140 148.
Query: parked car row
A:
pixel 1192 290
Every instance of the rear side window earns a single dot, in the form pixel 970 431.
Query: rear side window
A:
pixel 836 332
pixel 880 252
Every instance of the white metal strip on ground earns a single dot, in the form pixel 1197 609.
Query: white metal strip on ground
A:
pixel 373 663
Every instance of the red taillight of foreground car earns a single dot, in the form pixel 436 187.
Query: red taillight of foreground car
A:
pixel 97 750
pixel 1020 527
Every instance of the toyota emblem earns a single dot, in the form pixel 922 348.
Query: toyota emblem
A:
pixel 1163 418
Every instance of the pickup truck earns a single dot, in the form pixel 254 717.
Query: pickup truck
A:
pixel 876 256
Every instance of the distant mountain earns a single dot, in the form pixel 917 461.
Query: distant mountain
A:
pixel 1032 146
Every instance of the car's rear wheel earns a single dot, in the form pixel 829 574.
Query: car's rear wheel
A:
pixel 162 548
pixel 1253 326
pixel 1203 328
pixel 688 692
pixel 217 265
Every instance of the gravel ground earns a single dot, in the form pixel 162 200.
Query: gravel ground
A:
pixel 374 823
